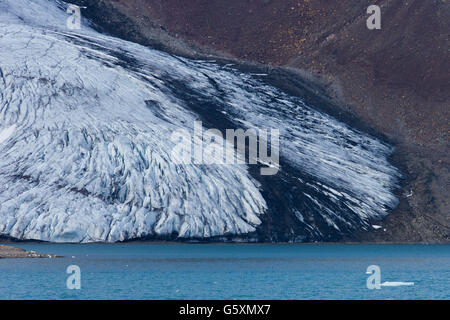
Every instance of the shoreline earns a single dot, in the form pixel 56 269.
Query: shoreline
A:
pixel 12 242
pixel 8 252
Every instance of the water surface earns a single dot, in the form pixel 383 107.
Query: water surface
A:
pixel 227 271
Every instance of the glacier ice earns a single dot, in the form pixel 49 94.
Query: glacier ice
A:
pixel 85 121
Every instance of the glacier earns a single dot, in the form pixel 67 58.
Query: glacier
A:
pixel 86 155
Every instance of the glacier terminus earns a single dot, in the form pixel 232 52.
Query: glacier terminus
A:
pixel 86 155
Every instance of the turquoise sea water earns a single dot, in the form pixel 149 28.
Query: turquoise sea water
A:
pixel 227 271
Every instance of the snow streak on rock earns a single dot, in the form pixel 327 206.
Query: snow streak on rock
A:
pixel 85 122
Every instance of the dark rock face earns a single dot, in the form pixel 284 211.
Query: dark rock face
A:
pixel 395 79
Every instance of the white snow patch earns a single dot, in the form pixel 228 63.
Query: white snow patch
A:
pixel 6 133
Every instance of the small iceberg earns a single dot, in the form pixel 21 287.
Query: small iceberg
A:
pixel 396 284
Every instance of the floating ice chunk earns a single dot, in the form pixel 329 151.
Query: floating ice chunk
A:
pixel 396 284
